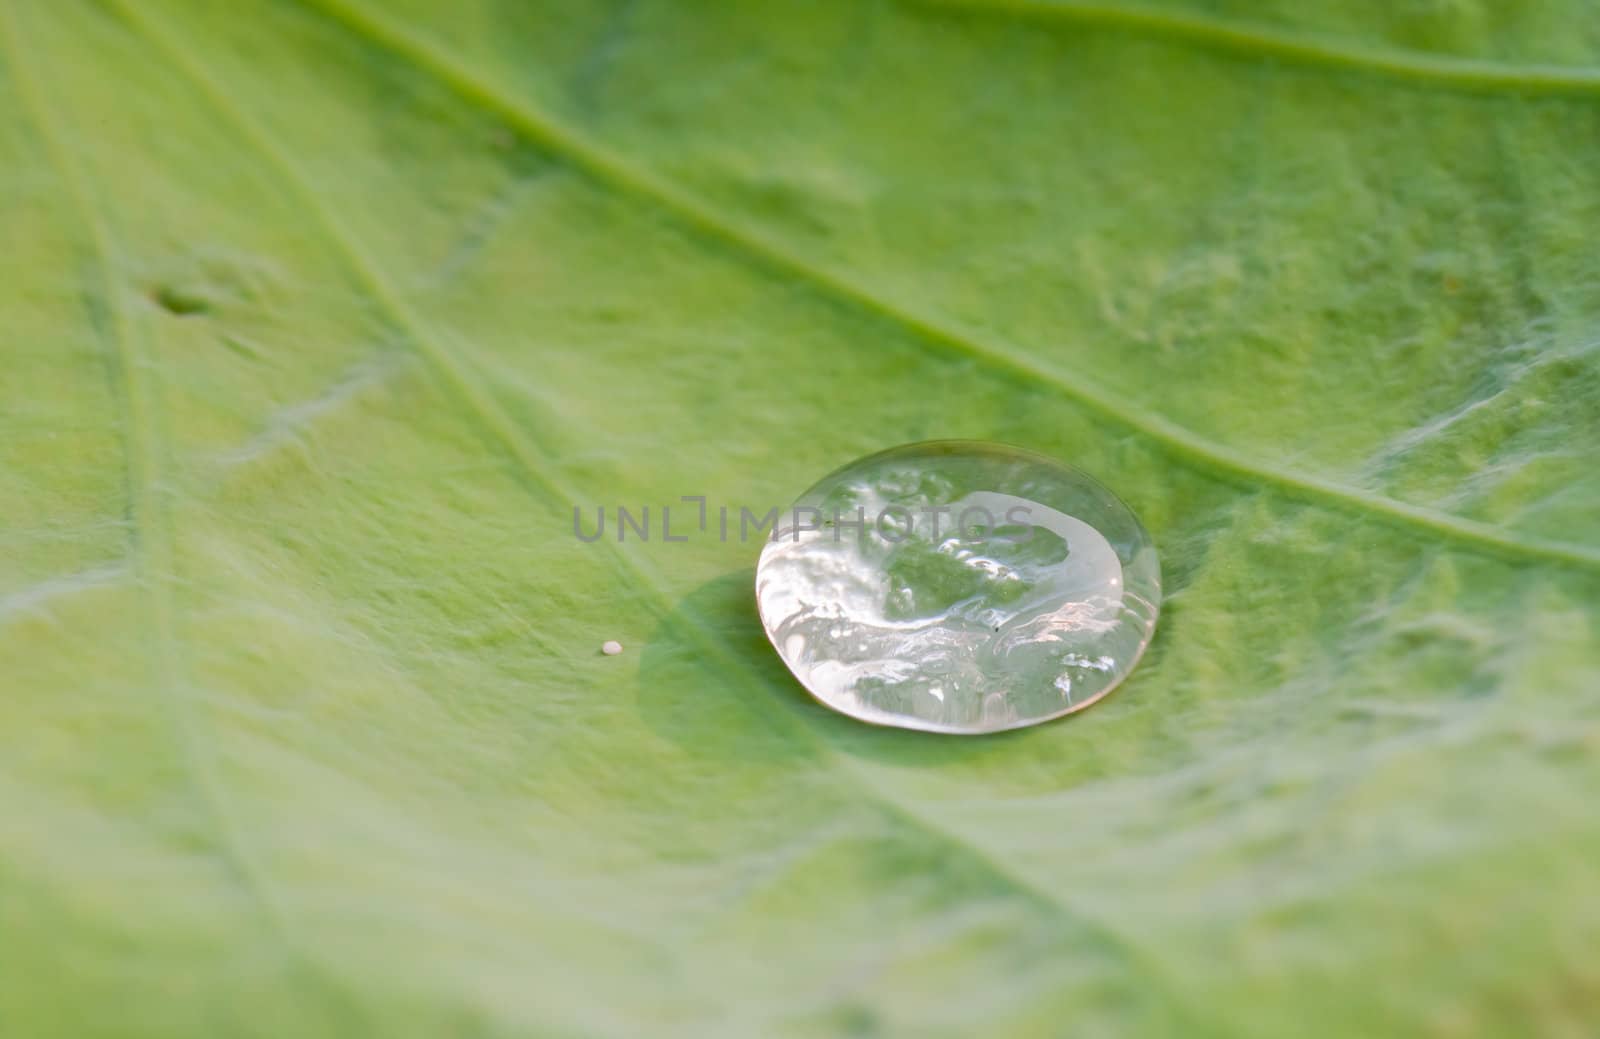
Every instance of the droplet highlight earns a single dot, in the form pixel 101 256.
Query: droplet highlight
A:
pixel 959 587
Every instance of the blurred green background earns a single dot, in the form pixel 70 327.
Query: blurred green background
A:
pixel 319 318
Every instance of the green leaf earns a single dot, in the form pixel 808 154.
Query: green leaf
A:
pixel 321 317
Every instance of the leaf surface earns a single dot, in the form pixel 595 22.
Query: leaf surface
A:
pixel 321 317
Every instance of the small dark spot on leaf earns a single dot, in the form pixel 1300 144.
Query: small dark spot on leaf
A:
pixel 180 302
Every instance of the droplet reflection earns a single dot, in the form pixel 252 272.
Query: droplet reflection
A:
pixel 959 587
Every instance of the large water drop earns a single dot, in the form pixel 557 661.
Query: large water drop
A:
pixel 960 587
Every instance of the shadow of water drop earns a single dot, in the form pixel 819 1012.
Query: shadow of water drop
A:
pixel 722 703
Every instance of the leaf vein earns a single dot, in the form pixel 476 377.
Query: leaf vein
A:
pixel 1262 42
pixel 149 529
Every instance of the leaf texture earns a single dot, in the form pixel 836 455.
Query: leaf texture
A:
pixel 321 316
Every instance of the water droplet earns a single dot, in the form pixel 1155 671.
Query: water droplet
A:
pixel 960 587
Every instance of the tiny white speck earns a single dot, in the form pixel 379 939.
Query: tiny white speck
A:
pixel 611 648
